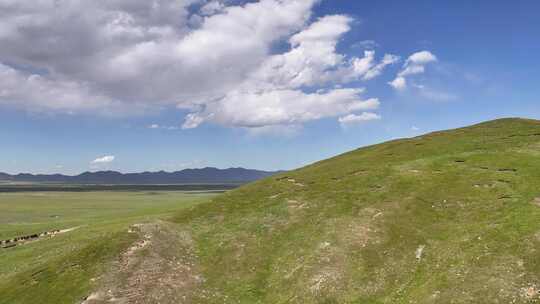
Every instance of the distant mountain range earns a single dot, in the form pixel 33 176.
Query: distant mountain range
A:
pixel 188 176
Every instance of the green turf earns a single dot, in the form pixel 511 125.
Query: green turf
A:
pixel 61 269
pixel 348 229
pixel 448 217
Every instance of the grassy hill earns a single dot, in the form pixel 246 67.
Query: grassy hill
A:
pixel 67 267
pixel 448 217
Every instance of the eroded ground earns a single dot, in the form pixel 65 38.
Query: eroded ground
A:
pixel 158 268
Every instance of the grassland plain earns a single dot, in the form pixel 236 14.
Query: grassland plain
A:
pixel 447 217
pixel 67 267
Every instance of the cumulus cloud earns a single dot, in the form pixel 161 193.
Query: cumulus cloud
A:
pixel 141 51
pixel 212 7
pixel 103 160
pixel 399 83
pixel 415 64
pixel 35 91
pixel 280 107
pixel 210 57
pixel 313 60
pixel 275 93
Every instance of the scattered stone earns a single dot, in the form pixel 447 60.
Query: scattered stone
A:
pixel 325 245
pixel 91 298
pixel 377 215
pixel 530 292
pixel 419 252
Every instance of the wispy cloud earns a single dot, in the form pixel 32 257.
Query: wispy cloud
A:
pixel 156 126
pixel 356 119
pixel 365 44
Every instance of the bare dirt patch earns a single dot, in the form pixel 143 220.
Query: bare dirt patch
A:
pixel 536 201
pixel 327 281
pixel 160 267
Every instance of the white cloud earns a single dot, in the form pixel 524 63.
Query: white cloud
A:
pixel 280 107
pixel 33 91
pixel 355 119
pixel 210 57
pixel 98 53
pixel 399 83
pixel 414 128
pixel 312 59
pixel 376 70
pixel 415 64
pixel 275 93
pixel 212 7
pixel 421 58
pixel 103 160
pixel 157 126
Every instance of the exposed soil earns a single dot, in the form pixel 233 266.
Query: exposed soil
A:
pixel 158 268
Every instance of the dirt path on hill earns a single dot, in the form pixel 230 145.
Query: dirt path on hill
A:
pixel 158 268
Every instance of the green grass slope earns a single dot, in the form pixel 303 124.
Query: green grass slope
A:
pixel 68 267
pixel 448 217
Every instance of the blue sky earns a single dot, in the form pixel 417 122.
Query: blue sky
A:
pixel 486 67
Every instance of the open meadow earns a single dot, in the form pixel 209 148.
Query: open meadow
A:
pixel 446 217
pixel 91 230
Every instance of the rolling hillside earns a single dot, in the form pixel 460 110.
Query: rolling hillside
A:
pixel 448 217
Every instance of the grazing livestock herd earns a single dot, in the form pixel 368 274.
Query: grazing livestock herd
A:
pixel 26 238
